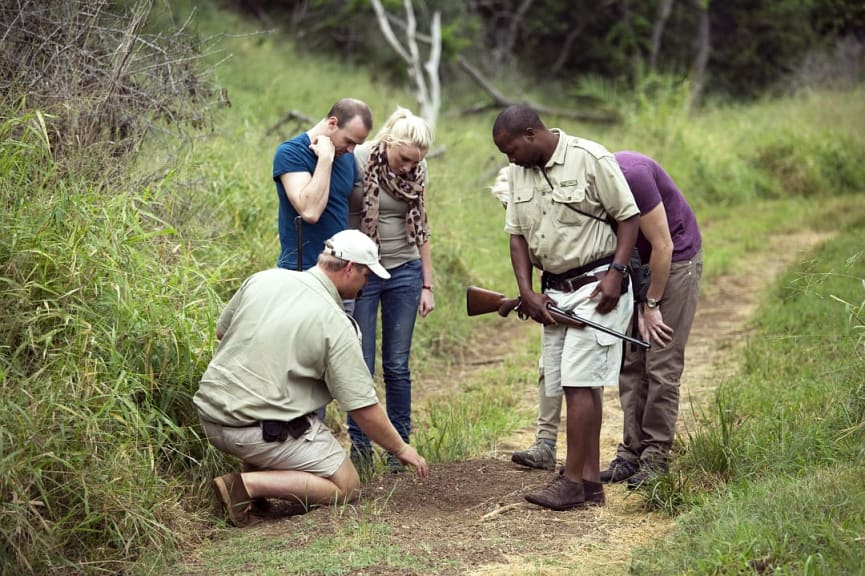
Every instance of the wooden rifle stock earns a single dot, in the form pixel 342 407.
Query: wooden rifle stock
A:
pixel 483 301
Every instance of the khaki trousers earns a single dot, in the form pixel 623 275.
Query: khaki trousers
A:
pixel 649 381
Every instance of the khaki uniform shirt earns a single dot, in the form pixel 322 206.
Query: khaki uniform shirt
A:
pixel 288 348
pixel 582 174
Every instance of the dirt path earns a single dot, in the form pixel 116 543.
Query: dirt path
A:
pixel 470 518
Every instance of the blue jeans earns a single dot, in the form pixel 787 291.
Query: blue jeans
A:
pixel 400 298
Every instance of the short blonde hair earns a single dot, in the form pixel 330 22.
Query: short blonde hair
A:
pixel 405 129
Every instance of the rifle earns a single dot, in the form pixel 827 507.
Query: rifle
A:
pixel 483 301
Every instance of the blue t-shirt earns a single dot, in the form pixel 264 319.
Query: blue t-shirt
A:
pixel 295 155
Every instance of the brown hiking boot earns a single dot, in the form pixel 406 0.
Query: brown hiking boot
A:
pixel 235 500
pixel 594 492
pixel 561 494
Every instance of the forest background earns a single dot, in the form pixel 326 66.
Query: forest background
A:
pixel 136 193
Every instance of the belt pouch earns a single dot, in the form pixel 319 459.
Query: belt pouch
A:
pixel 274 430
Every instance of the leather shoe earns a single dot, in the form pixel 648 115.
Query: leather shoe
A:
pixel 561 494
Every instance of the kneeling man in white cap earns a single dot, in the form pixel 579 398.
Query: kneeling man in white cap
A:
pixel 287 348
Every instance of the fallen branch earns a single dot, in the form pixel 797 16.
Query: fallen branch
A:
pixel 292 115
pixel 502 101
pixel 499 511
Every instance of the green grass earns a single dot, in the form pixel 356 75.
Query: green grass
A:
pixel 109 298
pixel 782 449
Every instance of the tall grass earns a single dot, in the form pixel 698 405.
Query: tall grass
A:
pixel 110 294
pixel 786 437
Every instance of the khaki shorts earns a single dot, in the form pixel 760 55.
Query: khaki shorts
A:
pixel 316 451
pixel 584 357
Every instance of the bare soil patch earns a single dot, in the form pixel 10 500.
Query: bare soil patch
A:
pixel 470 517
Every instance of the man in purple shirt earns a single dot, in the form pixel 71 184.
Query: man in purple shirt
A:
pixel 670 242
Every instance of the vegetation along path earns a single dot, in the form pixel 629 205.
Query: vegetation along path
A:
pixel 470 517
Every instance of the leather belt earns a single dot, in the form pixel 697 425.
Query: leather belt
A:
pixel 572 284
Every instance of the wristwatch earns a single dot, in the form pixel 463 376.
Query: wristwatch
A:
pixel 620 267
pixel 652 303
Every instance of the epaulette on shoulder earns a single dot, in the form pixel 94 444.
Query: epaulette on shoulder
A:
pixel 593 148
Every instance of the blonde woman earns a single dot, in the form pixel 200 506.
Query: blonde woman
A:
pixel 388 203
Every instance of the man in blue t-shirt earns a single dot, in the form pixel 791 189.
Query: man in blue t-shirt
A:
pixel 314 173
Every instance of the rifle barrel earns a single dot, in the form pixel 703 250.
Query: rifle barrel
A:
pixel 596 326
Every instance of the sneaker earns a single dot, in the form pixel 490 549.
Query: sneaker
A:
pixel 541 455
pixel 233 497
pixel 561 494
pixel 619 470
pixel 393 464
pixel 646 473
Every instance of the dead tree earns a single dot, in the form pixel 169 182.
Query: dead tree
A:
pixel 703 51
pixel 664 10
pixel 499 100
pixel 424 76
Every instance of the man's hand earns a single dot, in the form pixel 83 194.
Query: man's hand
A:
pixel 323 148
pixel 652 327
pixel 534 306
pixel 609 289
pixel 410 456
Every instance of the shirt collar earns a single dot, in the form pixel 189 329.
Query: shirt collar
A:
pixel 558 156
pixel 326 283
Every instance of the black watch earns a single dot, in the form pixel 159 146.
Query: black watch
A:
pixel 620 267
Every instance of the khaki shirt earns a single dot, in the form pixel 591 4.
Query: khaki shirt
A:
pixel 288 348
pixel 582 174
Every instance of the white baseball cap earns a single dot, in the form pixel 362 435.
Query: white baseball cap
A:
pixel 355 246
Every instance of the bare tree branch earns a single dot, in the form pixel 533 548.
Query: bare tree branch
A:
pixel 658 31
pixel 502 101
pixel 705 48
pixel 424 76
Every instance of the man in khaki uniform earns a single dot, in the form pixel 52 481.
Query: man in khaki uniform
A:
pixel 286 349
pixel 562 188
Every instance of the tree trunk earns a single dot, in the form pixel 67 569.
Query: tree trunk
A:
pixel 424 76
pixel 703 50
pixel 658 32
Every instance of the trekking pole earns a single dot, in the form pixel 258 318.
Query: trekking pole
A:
pixel 298 229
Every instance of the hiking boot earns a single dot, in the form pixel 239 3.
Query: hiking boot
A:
pixel 561 494
pixel 394 466
pixel 646 473
pixel 619 470
pixel 234 498
pixel 541 454
pixel 594 491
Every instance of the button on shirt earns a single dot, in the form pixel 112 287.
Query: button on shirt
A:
pixel 288 348
pixel 581 174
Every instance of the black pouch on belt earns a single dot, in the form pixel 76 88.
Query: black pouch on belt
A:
pixel 274 430
pixel 278 430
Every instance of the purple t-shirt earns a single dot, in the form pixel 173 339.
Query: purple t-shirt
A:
pixel 650 184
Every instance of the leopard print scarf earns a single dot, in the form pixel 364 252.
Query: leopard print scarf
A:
pixel 408 188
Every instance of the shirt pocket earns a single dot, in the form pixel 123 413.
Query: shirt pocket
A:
pixel 524 209
pixel 566 197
